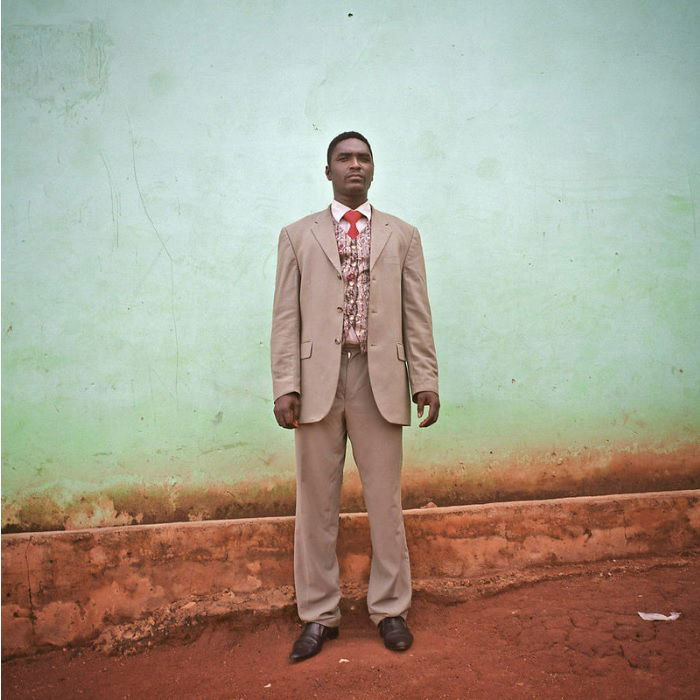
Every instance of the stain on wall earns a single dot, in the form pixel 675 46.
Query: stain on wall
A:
pixel 534 476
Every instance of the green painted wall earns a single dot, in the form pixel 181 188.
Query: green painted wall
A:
pixel 547 150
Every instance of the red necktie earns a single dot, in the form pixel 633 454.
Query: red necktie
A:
pixel 353 217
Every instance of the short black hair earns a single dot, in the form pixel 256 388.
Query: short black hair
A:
pixel 342 137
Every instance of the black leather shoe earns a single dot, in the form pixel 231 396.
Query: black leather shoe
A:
pixel 395 633
pixel 311 639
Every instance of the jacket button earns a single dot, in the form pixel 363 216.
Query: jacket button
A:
pixel 337 342
pixel 340 309
pixel 340 277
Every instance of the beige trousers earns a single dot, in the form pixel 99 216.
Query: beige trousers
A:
pixel 320 454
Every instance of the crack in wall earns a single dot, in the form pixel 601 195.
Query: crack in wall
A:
pixel 171 262
pixel 32 614
pixel 624 524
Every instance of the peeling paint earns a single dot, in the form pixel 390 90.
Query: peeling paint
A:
pixel 529 477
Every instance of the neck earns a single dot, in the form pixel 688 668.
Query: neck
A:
pixel 352 202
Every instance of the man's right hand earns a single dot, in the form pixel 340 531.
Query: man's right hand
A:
pixel 287 410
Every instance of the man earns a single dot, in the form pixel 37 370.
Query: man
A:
pixel 351 316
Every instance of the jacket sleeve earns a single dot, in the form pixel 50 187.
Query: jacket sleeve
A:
pixel 417 321
pixel 286 322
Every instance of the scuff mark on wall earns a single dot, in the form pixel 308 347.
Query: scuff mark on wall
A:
pixel 51 63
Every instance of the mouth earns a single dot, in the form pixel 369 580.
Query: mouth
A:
pixel 355 176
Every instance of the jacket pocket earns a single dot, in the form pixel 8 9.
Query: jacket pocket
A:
pixel 400 352
pixel 305 350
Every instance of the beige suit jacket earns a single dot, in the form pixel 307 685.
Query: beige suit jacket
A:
pixel 307 320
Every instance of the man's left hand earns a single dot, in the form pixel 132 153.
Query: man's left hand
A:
pixel 430 399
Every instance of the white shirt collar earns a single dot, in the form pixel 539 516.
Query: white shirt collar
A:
pixel 338 209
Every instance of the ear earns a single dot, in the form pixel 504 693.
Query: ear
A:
pixel 328 172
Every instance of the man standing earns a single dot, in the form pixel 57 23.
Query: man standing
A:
pixel 351 329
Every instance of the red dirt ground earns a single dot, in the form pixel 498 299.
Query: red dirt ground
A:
pixel 573 637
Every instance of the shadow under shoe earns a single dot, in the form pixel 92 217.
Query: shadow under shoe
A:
pixel 395 633
pixel 311 639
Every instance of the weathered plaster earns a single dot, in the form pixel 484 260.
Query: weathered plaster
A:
pixel 149 165
pixel 69 588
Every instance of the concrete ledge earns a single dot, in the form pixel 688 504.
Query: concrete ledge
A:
pixel 74 587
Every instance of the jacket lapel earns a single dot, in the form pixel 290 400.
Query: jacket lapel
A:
pixel 323 230
pixel 381 231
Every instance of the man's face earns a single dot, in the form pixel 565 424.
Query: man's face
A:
pixel 351 169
